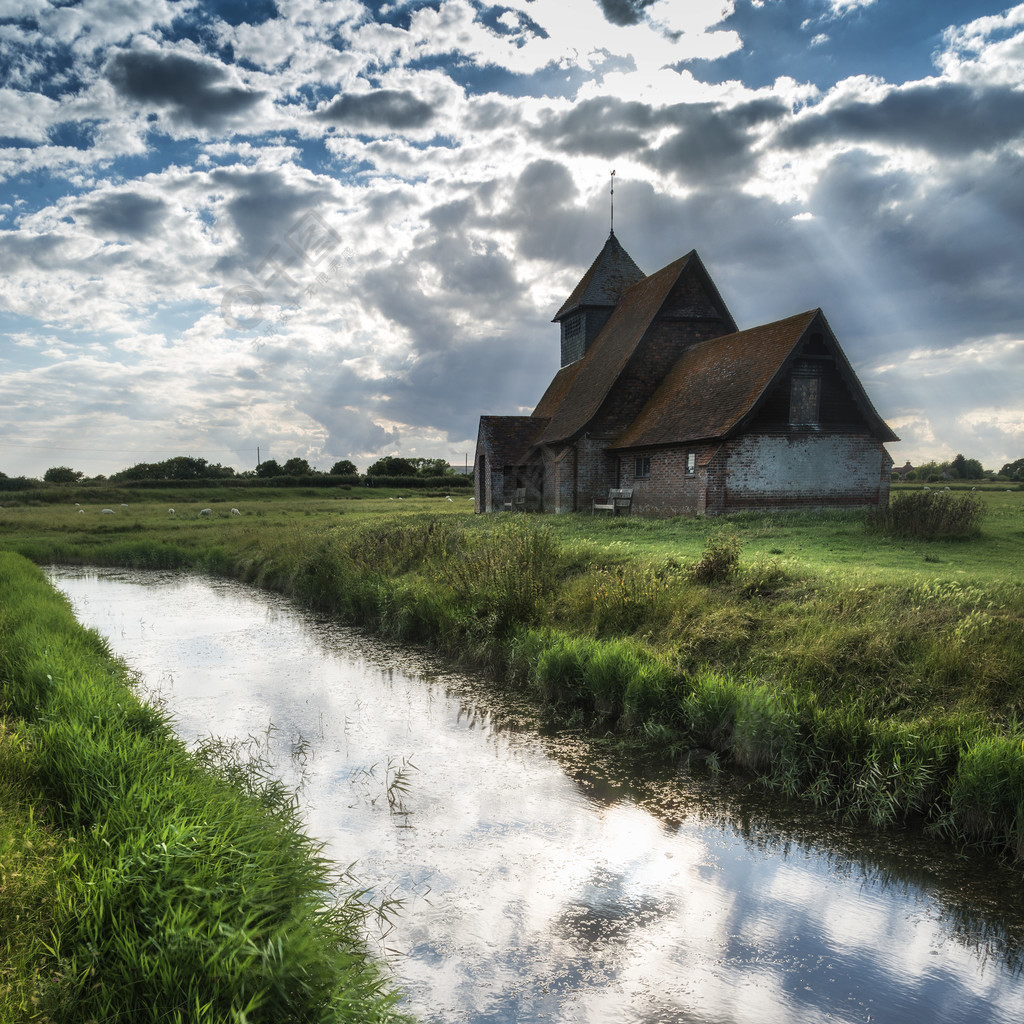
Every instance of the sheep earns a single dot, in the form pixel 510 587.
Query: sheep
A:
pixel 77 505
pixel 123 505
pixel 108 512
pixel 81 511
pixel 235 512
pixel 170 511
pixel 927 488
pixel 206 512
pixel 945 488
pixel 448 498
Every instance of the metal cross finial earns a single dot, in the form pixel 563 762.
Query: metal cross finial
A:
pixel 613 202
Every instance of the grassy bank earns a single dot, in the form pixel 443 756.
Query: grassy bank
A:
pixel 875 676
pixel 141 882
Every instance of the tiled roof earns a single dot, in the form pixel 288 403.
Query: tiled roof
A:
pixel 582 395
pixel 716 384
pixel 556 390
pixel 608 277
pixel 506 439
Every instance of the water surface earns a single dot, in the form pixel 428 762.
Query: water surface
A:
pixel 539 880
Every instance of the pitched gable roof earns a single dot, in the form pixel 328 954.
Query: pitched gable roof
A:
pixel 717 385
pixel 576 394
pixel 506 439
pixel 611 273
pixel 607 356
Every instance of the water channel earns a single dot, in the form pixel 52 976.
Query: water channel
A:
pixel 540 880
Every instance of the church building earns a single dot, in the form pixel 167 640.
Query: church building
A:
pixel 659 394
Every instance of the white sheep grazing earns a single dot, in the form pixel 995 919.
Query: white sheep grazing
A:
pixel 448 498
pixel 77 505
pixel 123 505
pixel 81 511
pixel 108 512
pixel 170 511
pixel 235 512
pixel 206 512
pixel 927 488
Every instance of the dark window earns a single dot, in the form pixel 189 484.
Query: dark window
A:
pixel 642 466
pixel 804 394
pixel 573 338
pixel 691 463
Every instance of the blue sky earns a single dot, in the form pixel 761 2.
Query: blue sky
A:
pixel 338 229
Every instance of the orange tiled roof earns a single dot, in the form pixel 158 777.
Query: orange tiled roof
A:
pixel 598 370
pixel 717 384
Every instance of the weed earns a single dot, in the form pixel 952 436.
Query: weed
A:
pixel 931 515
pixel 719 561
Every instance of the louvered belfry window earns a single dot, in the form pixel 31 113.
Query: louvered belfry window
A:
pixel 573 338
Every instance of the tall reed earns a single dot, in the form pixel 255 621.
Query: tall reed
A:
pixel 181 891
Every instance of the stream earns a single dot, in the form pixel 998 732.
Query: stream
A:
pixel 527 876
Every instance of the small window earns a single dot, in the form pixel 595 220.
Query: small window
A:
pixel 642 466
pixel 691 463
pixel 804 395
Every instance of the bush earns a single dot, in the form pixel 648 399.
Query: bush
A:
pixel 931 515
pixel 719 561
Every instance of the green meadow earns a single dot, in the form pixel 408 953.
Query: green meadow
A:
pixel 875 676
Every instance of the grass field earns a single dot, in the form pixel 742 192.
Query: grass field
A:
pixel 875 676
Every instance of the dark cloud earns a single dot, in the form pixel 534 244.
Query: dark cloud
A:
pixel 271 215
pixel 948 119
pixel 711 146
pixel 384 108
pixel 711 141
pixel 123 214
pixel 624 12
pixel 602 126
pixel 191 89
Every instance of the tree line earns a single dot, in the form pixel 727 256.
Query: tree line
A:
pixel 184 467
pixel 960 468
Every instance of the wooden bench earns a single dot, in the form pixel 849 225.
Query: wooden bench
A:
pixel 519 501
pixel 620 499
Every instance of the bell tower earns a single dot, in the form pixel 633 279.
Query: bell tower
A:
pixel 588 308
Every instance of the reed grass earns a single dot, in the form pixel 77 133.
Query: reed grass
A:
pixel 172 886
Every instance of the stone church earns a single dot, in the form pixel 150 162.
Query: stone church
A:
pixel 659 393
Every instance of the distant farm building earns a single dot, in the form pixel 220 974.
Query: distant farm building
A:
pixel 658 392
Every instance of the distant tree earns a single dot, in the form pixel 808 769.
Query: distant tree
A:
pixel 62 475
pixel 268 467
pixel 297 467
pixel 344 468
pixel 3 476
pixel 392 465
pixel 1014 470
pixel 966 469
pixel 431 467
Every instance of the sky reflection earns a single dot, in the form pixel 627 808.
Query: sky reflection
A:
pixel 538 883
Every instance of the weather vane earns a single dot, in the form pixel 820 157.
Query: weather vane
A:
pixel 613 202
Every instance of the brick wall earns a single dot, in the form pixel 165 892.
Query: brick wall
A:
pixel 796 470
pixel 669 490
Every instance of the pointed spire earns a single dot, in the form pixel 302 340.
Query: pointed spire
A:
pixel 608 277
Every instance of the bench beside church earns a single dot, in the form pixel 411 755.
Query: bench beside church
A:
pixel 659 393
